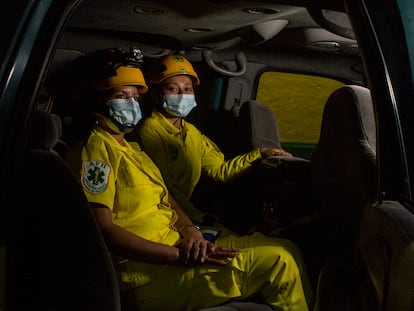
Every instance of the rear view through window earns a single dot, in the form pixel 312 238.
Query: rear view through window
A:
pixel 297 101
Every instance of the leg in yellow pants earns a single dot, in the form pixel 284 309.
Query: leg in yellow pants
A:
pixel 258 239
pixel 269 273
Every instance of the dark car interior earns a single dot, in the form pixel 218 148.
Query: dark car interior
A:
pixel 356 241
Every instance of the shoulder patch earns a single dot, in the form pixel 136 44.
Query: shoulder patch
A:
pixel 95 176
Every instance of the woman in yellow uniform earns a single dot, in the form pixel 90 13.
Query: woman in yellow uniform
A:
pixel 178 148
pixel 162 259
pixel 183 153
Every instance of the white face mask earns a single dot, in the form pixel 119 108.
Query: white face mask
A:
pixel 125 112
pixel 179 105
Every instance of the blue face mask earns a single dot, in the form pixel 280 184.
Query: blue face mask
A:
pixel 179 105
pixel 125 112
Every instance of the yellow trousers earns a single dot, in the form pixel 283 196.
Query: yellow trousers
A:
pixel 265 272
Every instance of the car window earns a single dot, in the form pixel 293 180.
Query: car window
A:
pixel 297 101
pixel 407 11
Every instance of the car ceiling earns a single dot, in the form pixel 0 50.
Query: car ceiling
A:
pixel 162 26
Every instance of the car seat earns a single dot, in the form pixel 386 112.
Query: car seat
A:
pixel 236 202
pixel 282 182
pixel 258 126
pixel 386 247
pixel 57 259
pixel 343 176
pixel 343 163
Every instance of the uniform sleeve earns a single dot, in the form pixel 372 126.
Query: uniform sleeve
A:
pixel 216 167
pixel 156 148
pixel 97 174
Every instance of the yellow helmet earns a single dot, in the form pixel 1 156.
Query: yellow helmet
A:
pixel 173 65
pixel 124 76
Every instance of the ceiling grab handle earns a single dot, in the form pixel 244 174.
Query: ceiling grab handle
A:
pixel 241 61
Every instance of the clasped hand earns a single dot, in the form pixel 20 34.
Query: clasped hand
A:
pixel 194 249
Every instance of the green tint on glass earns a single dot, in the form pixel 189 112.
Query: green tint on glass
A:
pixel 407 13
pixel 297 101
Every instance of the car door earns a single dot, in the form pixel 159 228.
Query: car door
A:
pixel 385 32
pixel 52 255
pixel 21 27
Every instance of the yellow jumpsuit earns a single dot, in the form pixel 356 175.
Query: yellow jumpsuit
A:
pixel 126 180
pixel 182 155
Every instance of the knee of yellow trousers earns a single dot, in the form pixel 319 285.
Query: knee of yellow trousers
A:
pixel 258 239
pixel 272 266
pixel 280 277
pixel 269 256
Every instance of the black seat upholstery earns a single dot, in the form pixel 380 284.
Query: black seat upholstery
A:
pixel 58 259
pixel 385 257
pixel 236 203
pixel 386 245
pixel 243 129
pixel 45 131
pixel 343 164
pixel 283 182
pixel 258 126
pixel 343 176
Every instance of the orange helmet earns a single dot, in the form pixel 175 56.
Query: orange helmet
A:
pixel 125 75
pixel 173 65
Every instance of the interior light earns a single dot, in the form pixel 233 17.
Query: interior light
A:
pixel 261 11
pixel 146 10
pixel 199 29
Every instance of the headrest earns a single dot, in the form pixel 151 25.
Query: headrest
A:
pixel 349 114
pixel 263 130
pixel 44 131
pixel 57 73
pixel 61 58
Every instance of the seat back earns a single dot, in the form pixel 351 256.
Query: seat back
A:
pixel 283 182
pixel 243 129
pixel 252 126
pixel 44 131
pixel 258 126
pixel 343 164
pixel 57 259
pixel 386 244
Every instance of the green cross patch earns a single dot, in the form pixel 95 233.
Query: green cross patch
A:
pixel 95 176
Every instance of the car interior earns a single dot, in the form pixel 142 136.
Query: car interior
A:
pixel 357 245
